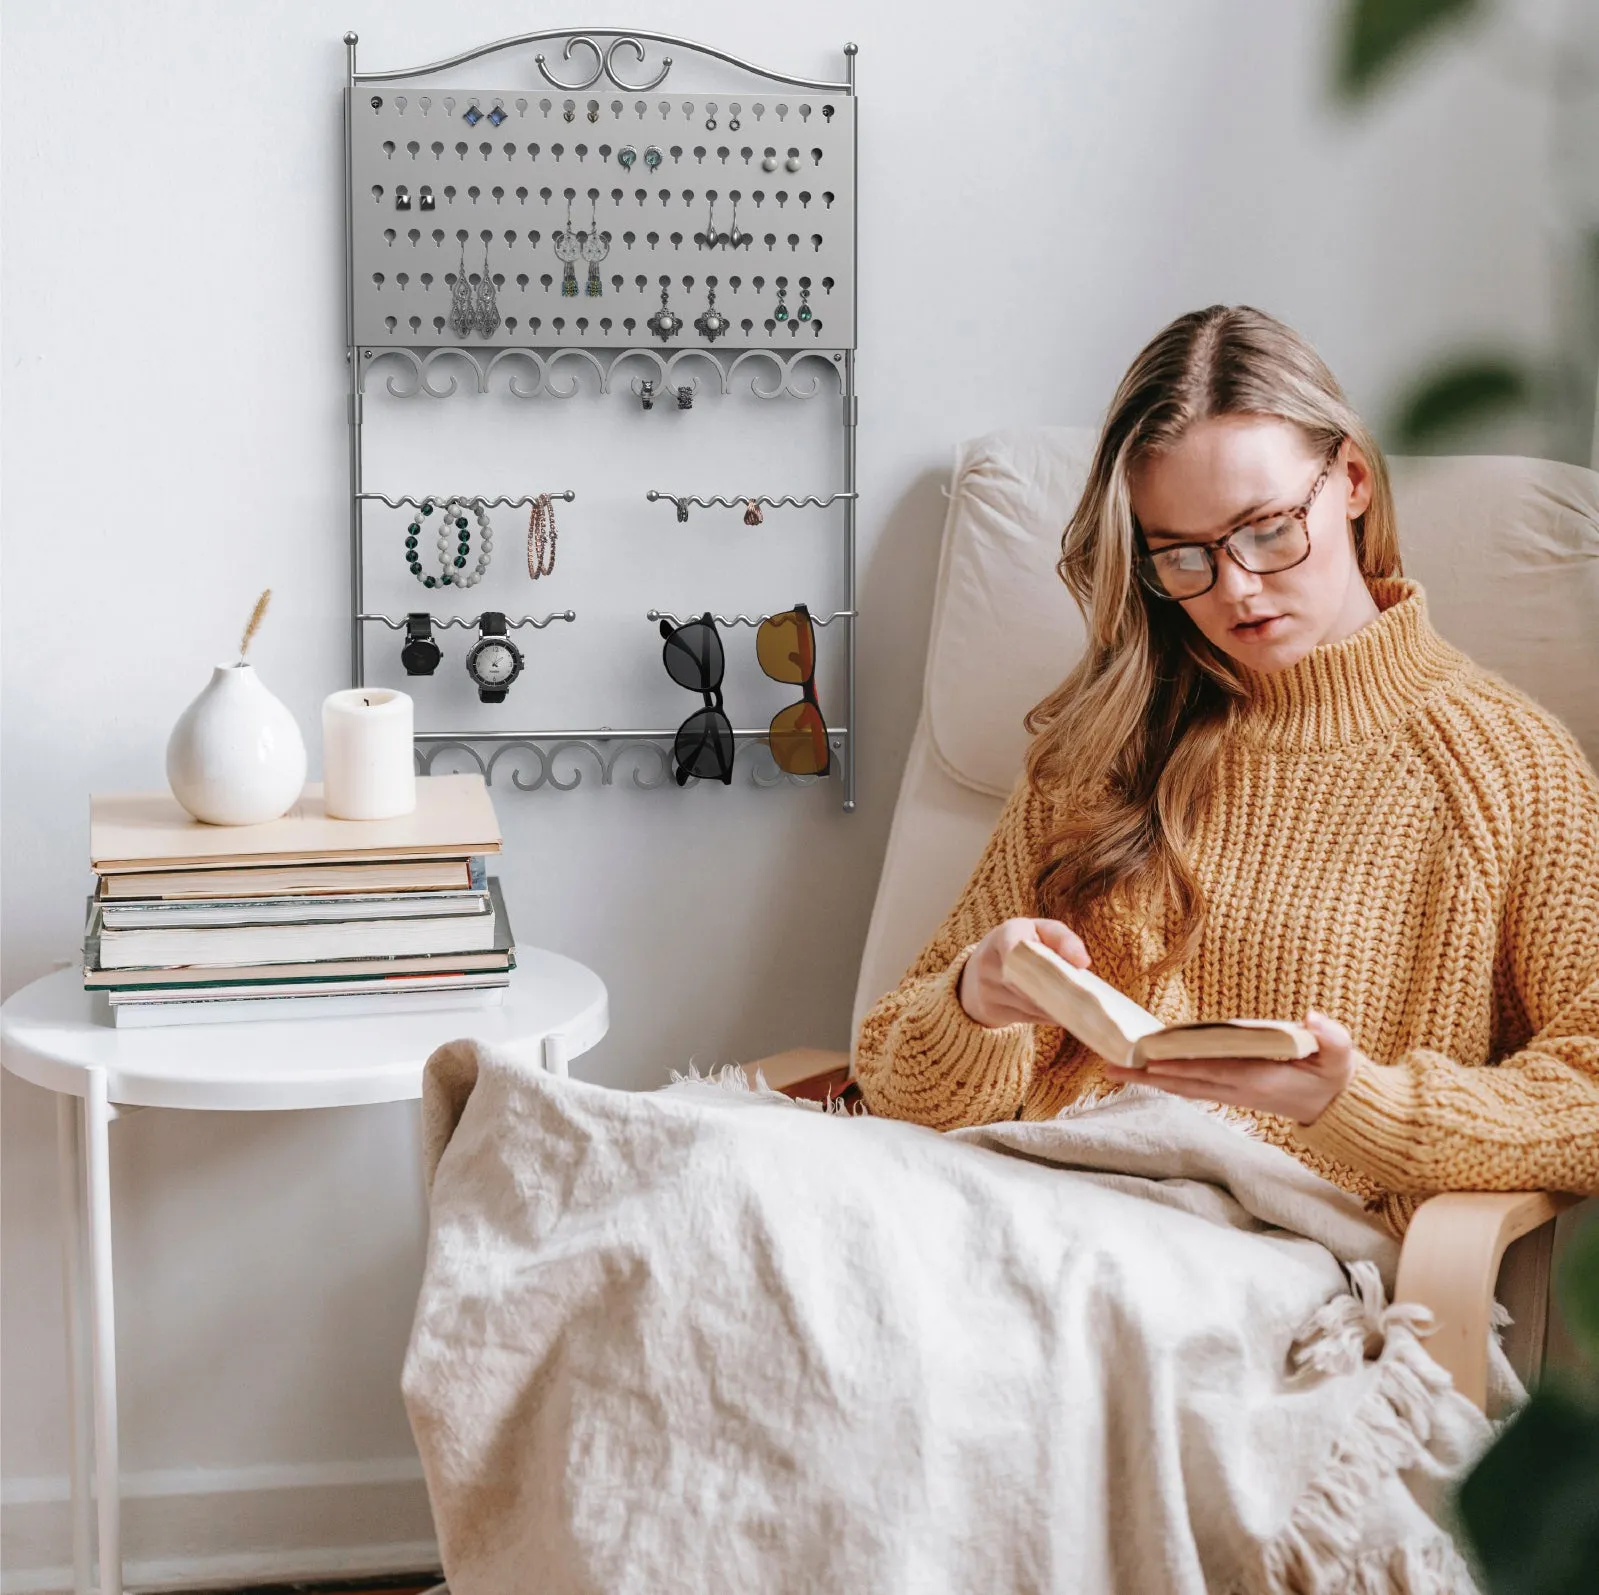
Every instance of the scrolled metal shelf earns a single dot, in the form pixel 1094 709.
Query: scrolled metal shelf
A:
pixel 421 364
pixel 650 753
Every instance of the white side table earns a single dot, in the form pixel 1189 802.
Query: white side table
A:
pixel 59 1036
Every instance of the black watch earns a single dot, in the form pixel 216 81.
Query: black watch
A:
pixel 495 661
pixel 420 655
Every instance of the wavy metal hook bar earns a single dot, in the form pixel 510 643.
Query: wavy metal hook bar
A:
pixel 680 499
pixel 631 34
pixel 746 620
pixel 466 498
pixel 448 621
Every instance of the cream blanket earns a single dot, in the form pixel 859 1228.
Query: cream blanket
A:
pixel 707 1340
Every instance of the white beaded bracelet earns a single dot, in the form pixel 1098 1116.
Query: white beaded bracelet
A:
pixel 454 543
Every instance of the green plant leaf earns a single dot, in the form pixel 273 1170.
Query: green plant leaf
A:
pixel 1531 1504
pixel 1465 389
pixel 1376 34
pixel 1579 1288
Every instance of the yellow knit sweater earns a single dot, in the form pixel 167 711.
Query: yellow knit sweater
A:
pixel 1397 838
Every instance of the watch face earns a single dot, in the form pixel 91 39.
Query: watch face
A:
pixel 420 657
pixel 494 663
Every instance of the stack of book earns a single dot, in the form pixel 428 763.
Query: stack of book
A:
pixel 302 917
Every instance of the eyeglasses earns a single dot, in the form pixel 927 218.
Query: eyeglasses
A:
pixel 694 659
pixel 1268 544
pixel 785 645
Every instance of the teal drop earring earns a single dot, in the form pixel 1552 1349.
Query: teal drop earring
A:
pixel 804 311
pixel 781 313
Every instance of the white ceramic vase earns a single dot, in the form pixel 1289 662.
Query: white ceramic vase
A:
pixel 235 756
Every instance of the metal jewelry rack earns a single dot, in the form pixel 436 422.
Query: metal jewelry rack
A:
pixel 717 231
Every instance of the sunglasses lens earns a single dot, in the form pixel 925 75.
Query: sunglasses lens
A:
pixel 703 747
pixel 785 645
pixel 799 740
pixel 693 656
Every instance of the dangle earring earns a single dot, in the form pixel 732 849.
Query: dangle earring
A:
pixel 488 306
pixel 463 312
pixel 734 238
pixel 781 313
pixel 595 248
pixel 664 323
pixel 710 238
pixel 711 323
pixel 567 248
pixel 804 311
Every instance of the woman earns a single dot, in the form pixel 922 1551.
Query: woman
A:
pixel 1271 788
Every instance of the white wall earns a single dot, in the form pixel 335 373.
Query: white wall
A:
pixel 1036 200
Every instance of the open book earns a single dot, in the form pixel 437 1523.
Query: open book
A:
pixel 1121 1032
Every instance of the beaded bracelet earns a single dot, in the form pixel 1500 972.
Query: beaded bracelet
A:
pixel 454 545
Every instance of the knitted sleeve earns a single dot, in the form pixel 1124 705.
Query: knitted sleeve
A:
pixel 1531 1121
pixel 920 1055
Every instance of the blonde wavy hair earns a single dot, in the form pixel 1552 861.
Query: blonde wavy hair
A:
pixel 1125 746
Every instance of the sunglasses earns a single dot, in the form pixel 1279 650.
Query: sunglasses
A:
pixel 785 645
pixel 703 746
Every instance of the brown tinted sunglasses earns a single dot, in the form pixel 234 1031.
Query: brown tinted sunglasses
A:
pixel 785 645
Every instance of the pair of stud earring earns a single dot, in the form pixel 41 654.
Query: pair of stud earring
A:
pixel 593 246
pixel 402 198
pixel 474 310
pixel 628 154
pixel 801 314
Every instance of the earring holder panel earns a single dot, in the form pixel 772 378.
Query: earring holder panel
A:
pixel 551 346
pixel 507 188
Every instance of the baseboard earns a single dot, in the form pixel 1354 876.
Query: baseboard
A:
pixel 193 1528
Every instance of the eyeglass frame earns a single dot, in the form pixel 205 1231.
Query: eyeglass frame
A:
pixel 1300 512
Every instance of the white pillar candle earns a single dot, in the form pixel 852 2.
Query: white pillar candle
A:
pixel 368 769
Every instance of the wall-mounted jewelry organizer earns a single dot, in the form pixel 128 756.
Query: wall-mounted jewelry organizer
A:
pixel 638 240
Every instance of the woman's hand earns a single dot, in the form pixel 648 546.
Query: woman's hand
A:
pixel 983 992
pixel 1300 1090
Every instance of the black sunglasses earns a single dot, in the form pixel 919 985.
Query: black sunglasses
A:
pixel 703 746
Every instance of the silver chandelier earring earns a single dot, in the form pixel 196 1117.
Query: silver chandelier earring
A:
pixel 463 313
pixel 595 248
pixel 487 315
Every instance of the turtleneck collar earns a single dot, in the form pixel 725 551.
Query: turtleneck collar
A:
pixel 1356 690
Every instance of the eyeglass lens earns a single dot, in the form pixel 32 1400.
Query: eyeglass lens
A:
pixel 1186 570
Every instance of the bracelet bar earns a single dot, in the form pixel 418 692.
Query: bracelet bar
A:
pixel 444 623
pixel 463 498
pixel 745 620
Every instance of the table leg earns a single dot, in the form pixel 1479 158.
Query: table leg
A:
pixel 69 1157
pixel 555 1054
pixel 97 1126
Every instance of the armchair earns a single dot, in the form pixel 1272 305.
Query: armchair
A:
pixel 1508 550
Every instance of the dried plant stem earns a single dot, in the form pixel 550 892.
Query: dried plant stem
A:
pixel 254 624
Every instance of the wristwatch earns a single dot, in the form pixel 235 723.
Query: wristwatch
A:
pixel 420 655
pixel 495 661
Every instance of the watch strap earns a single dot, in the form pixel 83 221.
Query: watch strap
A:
pixel 419 626
pixel 491 694
pixel 492 623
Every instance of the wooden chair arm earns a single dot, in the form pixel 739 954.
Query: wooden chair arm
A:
pixel 807 1072
pixel 1450 1263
